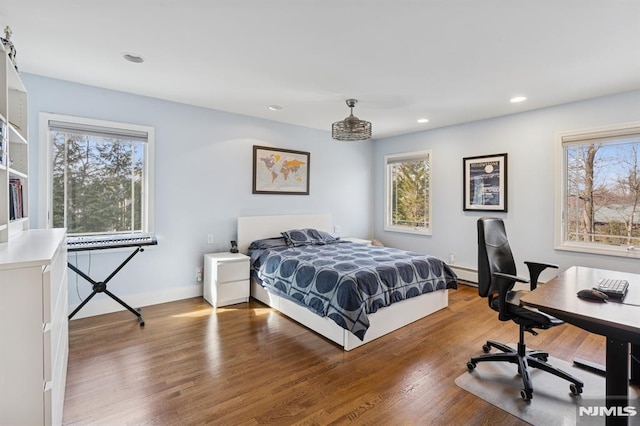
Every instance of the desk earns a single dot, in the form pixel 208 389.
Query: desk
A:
pixel 618 322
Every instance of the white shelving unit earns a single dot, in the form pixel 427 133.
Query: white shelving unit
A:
pixel 33 280
pixel 14 164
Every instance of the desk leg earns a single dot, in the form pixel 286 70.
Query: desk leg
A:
pixel 635 364
pixel 617 381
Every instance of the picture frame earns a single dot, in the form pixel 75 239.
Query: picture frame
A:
pixel 280 171
pixel 485 183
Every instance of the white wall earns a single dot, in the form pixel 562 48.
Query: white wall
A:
pixel 203 182
pixel 529 140
pixel 203 177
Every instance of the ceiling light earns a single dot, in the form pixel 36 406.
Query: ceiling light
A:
pixel 274 107
pixel 351 128
pixel 517 99
pixel 133 57
pixel 423 120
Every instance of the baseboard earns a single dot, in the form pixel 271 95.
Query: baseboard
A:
pixel 465 273
pixel 106 306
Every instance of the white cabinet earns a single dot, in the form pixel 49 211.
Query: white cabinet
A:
pixel 34 327
pixel 14 161
pixel 226 278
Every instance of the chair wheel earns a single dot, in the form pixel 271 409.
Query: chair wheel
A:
pixel 471 366
pixel 526 395
pixel 575 389
pixel 486 349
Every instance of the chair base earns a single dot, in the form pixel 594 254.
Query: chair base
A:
pixel 523 359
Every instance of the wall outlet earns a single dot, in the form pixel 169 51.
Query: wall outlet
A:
pixel 199 273
pixel 210 239
pixel 452 258
pixel 336 229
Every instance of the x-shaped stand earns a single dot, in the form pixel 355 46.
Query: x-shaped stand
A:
pixel 101 287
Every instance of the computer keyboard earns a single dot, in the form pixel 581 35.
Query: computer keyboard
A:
pixel 612 287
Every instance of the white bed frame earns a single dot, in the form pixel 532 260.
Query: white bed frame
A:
pixel 382 322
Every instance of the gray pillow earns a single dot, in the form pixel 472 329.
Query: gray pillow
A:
pixel 307 236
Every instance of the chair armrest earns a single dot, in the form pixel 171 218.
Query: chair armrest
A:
pixel 510 277
pixel 535 269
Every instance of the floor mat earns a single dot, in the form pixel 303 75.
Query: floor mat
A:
pixel 553 404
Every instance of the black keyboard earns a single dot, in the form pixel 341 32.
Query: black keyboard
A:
pixel 613 288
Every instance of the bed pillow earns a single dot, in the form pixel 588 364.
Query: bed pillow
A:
pixel 307 236
pixel 268 243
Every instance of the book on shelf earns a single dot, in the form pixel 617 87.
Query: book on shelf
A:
pixel 15 199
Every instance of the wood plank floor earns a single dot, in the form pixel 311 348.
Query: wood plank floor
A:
pixel 248 365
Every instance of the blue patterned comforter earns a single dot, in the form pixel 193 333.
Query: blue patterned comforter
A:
pixel 346 281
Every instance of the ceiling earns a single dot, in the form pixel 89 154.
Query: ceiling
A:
pixel 450 61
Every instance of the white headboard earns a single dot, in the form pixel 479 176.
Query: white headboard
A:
pixel 251 228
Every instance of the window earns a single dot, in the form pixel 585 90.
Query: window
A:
pixel 600 191
pixel 100 175
pixel 408 193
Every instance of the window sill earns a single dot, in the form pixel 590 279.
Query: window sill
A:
pixel 617 251
pixel 406 230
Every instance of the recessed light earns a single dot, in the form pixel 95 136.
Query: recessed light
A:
pixel 274 107
pixel 517 99
pixel 423 120
pixel 133 57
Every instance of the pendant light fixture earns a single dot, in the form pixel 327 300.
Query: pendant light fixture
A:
pixel 351 128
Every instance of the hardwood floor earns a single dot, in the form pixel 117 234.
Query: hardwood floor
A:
pixel 247 365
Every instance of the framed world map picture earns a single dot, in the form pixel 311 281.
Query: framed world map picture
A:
pixel 280 171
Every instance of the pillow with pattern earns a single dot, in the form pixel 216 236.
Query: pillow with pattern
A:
pixel 268 243
pixel 308 236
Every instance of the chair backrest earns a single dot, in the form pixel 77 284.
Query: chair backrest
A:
pixel 494 254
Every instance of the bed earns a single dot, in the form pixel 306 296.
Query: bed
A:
pixel 363 327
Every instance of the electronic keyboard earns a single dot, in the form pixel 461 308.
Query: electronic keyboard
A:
pixel 100 242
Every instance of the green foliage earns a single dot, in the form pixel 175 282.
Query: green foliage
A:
pixel 97 184
pixel 410 196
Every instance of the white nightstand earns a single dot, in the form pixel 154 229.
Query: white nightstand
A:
pixel 226 278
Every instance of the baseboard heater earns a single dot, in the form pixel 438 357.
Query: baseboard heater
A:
pixel 470 275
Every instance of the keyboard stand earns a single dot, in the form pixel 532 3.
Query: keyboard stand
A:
pixel 101 287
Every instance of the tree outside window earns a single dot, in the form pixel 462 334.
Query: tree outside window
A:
pixel 99 178
pixel 601 191
pixel 408 188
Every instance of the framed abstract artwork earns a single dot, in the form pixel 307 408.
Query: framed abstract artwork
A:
pixel 280 171
pixel 485 183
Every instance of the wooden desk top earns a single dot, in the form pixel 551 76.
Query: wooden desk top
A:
pixel 558 298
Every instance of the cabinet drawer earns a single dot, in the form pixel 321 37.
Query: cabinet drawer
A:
pixel 234 292
pixel 54 284
pixel 46 346
pixel 233 271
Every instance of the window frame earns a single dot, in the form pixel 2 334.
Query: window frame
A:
pixel 389 159
pixel 45 217
pixel 575 137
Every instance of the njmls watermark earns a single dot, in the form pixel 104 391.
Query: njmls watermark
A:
pixel 594 411
pixel 604 411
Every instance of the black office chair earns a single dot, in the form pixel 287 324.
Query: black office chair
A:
pixel 496 278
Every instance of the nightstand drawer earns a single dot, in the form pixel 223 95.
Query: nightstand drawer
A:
pixel 234 292
pixel 233 271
